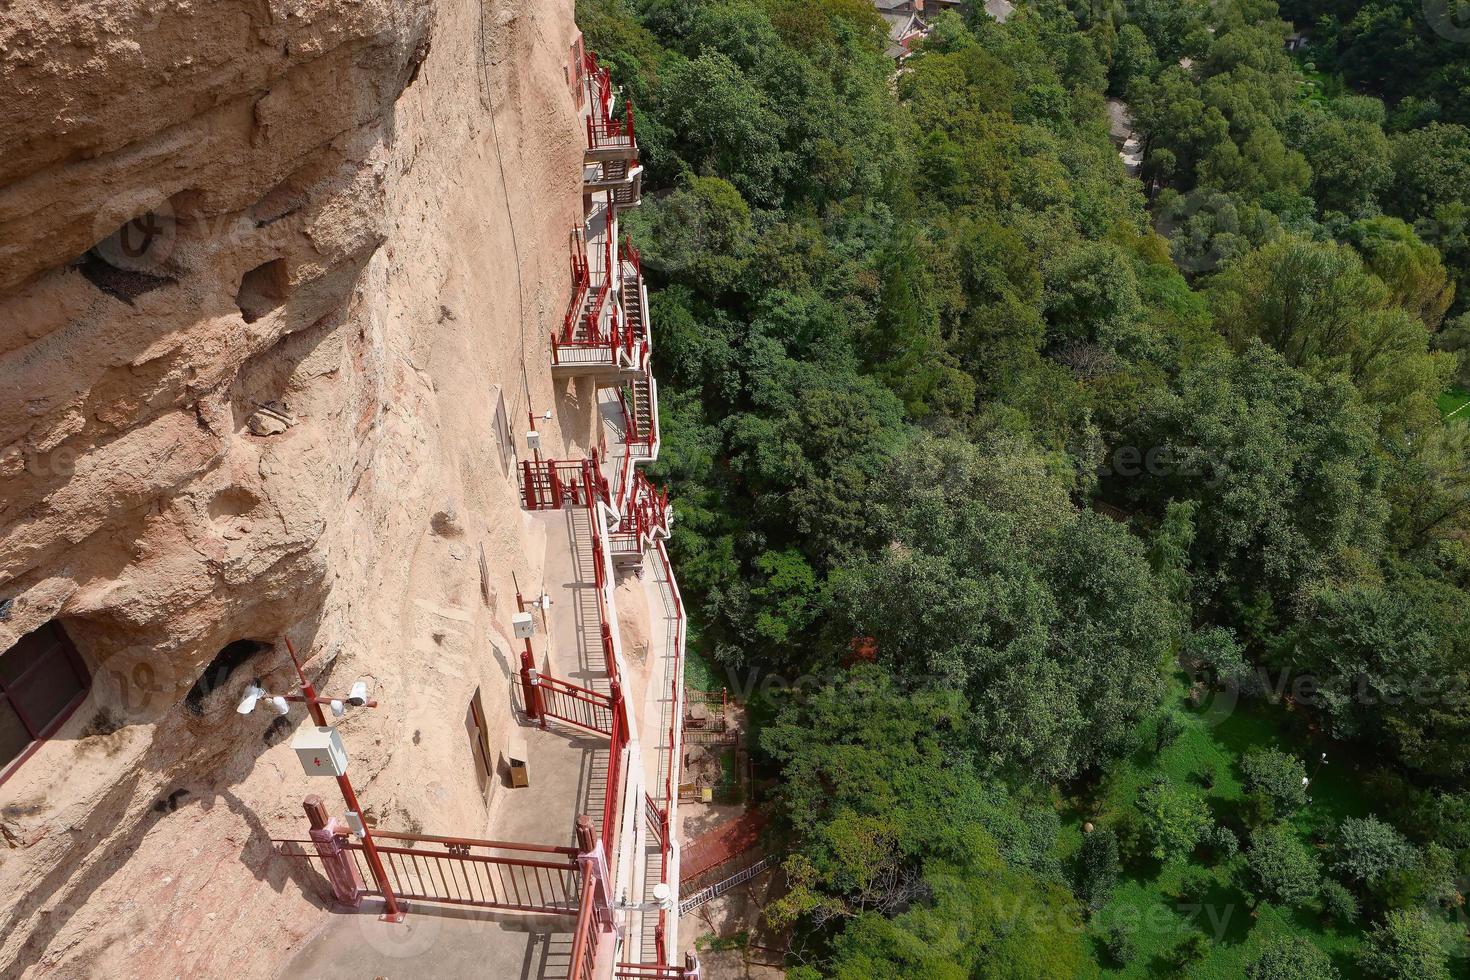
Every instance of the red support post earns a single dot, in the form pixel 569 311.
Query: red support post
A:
pixel 607 651
pixel 592 857
pixel 530 484
pixel 535 708
pixel 327 833
pixel 394 913
pixel 530 688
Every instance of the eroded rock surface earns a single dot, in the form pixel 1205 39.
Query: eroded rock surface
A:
pixel 276 280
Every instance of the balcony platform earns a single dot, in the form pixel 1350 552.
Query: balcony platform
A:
pixel 609 129
pixel 612 175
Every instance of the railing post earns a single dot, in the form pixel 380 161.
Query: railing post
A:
pixel 530 687
pixel 555 482
pixel 326 834
pixel 592 858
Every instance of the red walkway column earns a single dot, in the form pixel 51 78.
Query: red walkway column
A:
pixel 327 833
pixel 593 860
pixel 530 682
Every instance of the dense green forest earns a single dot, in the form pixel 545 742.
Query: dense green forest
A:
pixel 1091 547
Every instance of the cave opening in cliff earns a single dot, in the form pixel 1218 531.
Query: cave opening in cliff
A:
pixel 263 289
pixel 42 680
pixel 131 261
pixel 230 658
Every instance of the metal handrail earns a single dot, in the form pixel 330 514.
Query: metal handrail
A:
pixel 581 282
pixel 584 946
pixel 474 842
pixel 574 705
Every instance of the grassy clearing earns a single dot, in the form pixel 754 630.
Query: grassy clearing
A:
pixel 700 672
pixel 1452 405
pixel 1205 756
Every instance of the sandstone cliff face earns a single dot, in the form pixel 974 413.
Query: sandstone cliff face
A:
pixel 276 280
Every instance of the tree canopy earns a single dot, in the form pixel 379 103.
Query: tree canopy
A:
pixel 1000 450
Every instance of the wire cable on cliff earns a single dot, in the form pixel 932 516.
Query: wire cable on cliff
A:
pixel 489 104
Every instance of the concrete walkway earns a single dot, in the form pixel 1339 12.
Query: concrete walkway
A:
pixel 568 777
pixel 658 713
pixel 439 942
pixel 568 767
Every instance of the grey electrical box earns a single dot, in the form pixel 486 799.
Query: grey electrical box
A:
pixel 321 751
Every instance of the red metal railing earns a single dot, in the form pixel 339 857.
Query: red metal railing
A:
pixel 671 798
pixel 645 514
pixel 655 817
pixel 550 484
pixel 619 735
pixel 583 964
pixel 581 286
pixel 650 971
pixel 601 83
pixel 653 439
pixel 618 346
pixel 634 437
pixel 593 318
pixel 671 747
pixel 609 656
pixel 464 872
pixel 634 287
pixel 592 344
pixel 575 705
pixel 626 479
pixel 595 480
pixel 611 132
pixel 613 793
pixel 580 351
pixel 581 281
pixel 604 130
